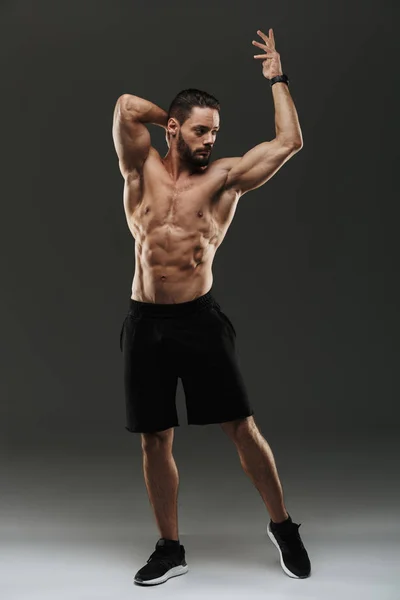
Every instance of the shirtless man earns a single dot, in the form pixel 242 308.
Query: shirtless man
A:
pixel 178 209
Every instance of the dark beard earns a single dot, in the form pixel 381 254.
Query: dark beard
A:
pixel 188 156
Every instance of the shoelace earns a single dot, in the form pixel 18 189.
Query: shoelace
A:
pixel 290 541
pixel 166 560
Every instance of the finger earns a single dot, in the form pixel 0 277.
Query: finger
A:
pixel 264 37
pixel 272 37
pixel 262 46
pixel 264 56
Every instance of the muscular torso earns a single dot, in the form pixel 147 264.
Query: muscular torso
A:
pixel 177 227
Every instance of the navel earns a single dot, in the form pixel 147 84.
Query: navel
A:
pixel 200 213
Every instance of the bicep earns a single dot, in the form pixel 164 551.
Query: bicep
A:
pixel 258 165
pixel 131 137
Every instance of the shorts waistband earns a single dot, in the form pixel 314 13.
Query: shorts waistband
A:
pixel 151 309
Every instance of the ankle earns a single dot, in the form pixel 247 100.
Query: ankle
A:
pixel 282 521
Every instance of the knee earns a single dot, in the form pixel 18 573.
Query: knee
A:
pixel 240 428
pixel 157 440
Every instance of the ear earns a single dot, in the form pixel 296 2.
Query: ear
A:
pixel 172 126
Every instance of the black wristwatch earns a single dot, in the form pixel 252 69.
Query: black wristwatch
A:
pixel 283 78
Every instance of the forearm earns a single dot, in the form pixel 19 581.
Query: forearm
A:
pixel 287 124
pixel 144 110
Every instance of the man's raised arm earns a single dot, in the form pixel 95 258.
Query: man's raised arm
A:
pixel 131 136
pixel 260 163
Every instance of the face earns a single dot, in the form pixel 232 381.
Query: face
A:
pixel 196 137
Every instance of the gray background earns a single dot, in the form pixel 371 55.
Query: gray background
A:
pixel 307 273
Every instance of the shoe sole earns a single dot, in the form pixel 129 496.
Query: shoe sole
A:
pixel 284 567
pixel 174 572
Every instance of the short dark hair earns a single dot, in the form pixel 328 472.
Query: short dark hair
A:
pixel 183 103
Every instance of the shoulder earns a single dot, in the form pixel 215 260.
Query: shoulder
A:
pixel 152 163
pixel 226 164
pixel 221 168
pixel 154 155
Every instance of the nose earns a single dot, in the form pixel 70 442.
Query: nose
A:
pixel 208 141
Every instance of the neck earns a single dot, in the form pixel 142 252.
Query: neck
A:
pixel 179 168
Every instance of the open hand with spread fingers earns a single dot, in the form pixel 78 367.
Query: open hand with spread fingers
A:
pixel 271 60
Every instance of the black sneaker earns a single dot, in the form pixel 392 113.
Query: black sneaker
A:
pixel 168 560
pixel 294 558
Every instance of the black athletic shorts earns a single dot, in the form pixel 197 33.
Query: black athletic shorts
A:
pixel 192 340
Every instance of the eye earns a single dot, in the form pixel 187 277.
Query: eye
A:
pixel 202 131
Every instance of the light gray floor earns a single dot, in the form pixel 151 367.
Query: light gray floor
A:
pixel 76 522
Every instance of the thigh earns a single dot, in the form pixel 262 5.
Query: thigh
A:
pixel 150 380
pixel 214 387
